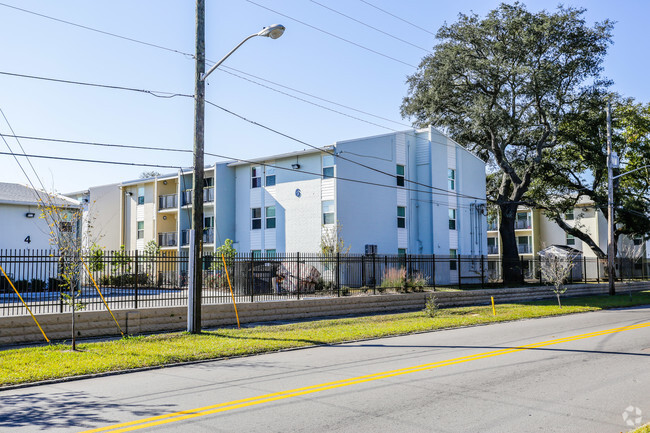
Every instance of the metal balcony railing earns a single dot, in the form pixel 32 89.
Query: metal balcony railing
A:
pixel 186 197
pixel 208 236
pixel 493 249
pixel 208 195
pixel 524 249
pixel 167 239
pixel 493 226
pixel 167 201
pixel 521 224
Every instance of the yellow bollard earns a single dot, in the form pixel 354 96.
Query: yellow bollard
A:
pixel 494 312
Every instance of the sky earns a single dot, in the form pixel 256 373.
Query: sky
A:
pixel 329 78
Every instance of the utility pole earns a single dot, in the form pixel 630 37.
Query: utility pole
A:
pixel 194 300
pixel 610 204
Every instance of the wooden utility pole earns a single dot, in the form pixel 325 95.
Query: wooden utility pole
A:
pixel 610 205
pixel 194 301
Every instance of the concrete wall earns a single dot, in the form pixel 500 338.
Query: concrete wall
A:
pixel 22 329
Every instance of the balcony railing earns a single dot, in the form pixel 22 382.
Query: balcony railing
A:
pixel 524 249
pixel 186 197
pixel 208 236
pixel 208 196
pixel 493 249
pixel 167 239
pixel 522 225
pixel 493 226
pixel 168 201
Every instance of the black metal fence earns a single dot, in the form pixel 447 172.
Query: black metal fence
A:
pixel 138 280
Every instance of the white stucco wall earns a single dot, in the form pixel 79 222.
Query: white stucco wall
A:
pixel 18 227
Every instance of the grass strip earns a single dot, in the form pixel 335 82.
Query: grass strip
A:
pixel 33 364
pixel 643 429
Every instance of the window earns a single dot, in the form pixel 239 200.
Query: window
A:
pixel 256 253
pixel 140 230
pixel 401 217
pixel 401 251
pixel 256 177
pixel 452 219
pixel 270 176
pixel 328 166
pixel 493 246
pixel 270 217
pixel 638 241
pixel 328 212
pixel 208 222
pixel 208 182
pixel 453 255
pixel 451 179
pixel 256 218
pixel 569 215
pixel 269 253
pixel 523 221
pixel 570 240
pixel 65 227
pixel 400 175
pixel 141 195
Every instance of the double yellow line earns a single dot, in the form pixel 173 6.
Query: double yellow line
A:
pixel 236 404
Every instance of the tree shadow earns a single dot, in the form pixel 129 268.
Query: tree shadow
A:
pixel 65 410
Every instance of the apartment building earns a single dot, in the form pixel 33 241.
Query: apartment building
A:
pixel 410 192
pixel 534 232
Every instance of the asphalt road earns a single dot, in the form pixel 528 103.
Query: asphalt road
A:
pixel 579 373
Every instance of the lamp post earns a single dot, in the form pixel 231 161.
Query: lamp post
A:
pixel 196 234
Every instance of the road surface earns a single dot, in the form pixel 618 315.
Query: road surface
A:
pixel 584 373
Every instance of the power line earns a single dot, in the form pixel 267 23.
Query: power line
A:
pixel 332 34
pixel 275 131
pixel 97 30
pixel 156 93
pixel 399 18
pixel 226 157
pixel 96 161
pixel 371 27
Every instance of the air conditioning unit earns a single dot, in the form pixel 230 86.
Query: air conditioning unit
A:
pixel 371 249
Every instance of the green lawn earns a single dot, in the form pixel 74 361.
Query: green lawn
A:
pixel 31 364
pixel 642 429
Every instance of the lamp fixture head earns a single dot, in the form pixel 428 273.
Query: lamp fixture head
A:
pixel 295 166
pixel 30 215
pixel 273 31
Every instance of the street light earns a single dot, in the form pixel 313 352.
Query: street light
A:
pixel 196 236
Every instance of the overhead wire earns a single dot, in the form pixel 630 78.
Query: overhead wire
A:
pixel 399 18
pixel 225 157
pixel 369 26
pixel 332 34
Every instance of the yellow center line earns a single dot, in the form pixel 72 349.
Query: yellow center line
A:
pixel 251 401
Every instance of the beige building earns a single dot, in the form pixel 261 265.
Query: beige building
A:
pixel 534 232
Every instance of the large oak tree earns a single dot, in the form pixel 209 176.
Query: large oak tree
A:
pixel 501 86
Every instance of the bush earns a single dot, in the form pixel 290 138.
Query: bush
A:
pixel 21 285
pixel 431 307
pixel 394 278
pixel 417 283
pixel 38 285
pixel 56 284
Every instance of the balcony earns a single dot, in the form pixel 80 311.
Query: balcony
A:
pixel 168 201
pixel 208 196
pixel 493 249
pixel 524 249
pixel 167 239
pixel 522 224
pixel 493 226
pixel 208 236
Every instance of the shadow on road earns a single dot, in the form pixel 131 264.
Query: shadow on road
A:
pixel 65 410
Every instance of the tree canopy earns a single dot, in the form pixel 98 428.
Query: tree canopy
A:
pixel 502 86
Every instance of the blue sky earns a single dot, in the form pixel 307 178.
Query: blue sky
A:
pixel 303 59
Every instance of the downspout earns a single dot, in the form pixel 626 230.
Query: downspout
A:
pixel 122 217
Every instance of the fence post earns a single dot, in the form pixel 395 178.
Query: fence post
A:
pixel 597 270
pixel 433 268
pixel 482 272
pixel 459 273
pixel 338 273
pixel 363 270
pixel 584 268
pixel 252 276
pixel 135 297
pixel 298 272
pixel 643 266
pixel 374 273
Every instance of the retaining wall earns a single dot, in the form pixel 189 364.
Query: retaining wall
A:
pixel 22 329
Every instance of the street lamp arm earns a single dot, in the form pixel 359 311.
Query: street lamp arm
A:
pixel 631 171
pixel 216 65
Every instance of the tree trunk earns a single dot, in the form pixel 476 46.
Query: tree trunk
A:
pixel 512 272
pixel 558 300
